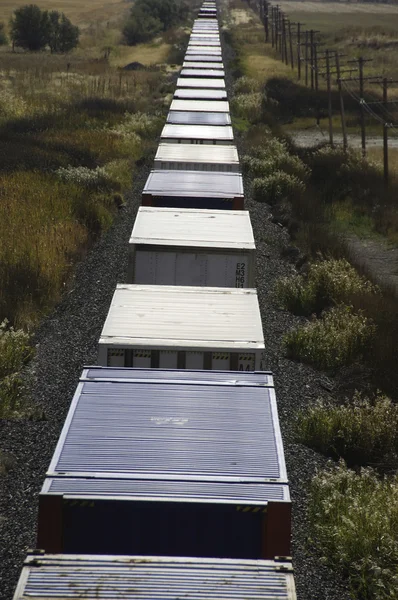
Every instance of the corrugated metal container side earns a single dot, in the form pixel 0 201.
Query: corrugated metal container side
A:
pixel 192 247
pixel 194 189
pixel 190 467
pixel 197 157
pixel 202 73
pixel 73 577
pixel 201 105
pixel 182 327
pixel 197 134
pixel 191 94
pixel 179 117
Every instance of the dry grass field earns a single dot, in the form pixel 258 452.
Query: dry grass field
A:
pixel 82 14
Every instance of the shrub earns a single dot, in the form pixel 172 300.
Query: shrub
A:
pixel 354 520
pixel 15 350
pixel 328 282
pixel 336 339
pixel 92 179
pixel 139 124
pixel 248 106
pixel 246 85
pixel 363 432
pixel 34 29
pixel 271 156
pixel 3 35
pixel 276 187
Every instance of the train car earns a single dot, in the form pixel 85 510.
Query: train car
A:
pixel 183 117
pixel 199 57
pixel 170 327
pixel 194 189
pixel 169 463
pixel 200 105
pixel 207 83
pixel 197 134
pixel 192 247
pixel 194 157
pixel 206 50
pixel 68 577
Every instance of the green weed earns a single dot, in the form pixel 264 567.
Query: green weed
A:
pixel 363 432
pixel 354 521
pixel 338 338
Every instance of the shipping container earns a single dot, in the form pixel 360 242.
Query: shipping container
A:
pixel 197 134
pixel 172 466
pixel 209 50
pixel 219 66
pixel 73 577
pixel 212 36
pixel 194 189
pixel 207 83
pixel 195 41
pixel 192 94
pixel 179 117
pixel 199 57
pixel 194 157
pixel 192 247
pixel 194 72
pixel 201 105
pixel 162 326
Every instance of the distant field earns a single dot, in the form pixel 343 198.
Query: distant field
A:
pixel 81 13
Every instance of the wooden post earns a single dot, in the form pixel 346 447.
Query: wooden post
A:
pixel 361 104
pixel 290 44
pixel 272 26
pixel 285 40
pixel 329 88
pixel 385 134
pixel 306 56
pixel 343 125
pixel 298 51
pixel 312 57
pixel 266 21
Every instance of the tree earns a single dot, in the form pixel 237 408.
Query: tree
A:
pixel 3 35
pixel 63 35
pixel 34 29
pixel 141 27
pixel 30 27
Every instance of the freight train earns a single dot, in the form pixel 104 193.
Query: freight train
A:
pixel 169 478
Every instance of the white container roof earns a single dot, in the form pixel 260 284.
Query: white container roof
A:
pixel 195 48
pixel 194 184
pixel 200 94
pixel 194 64
pixel 198 318
pixel 192 72
pixel 197 132
pixel 197 82
pixel 197 41
pixel 198 228
pixel 200 105
pixel 198 153
pixel 199 57
pixel 198 118
pixel 73 577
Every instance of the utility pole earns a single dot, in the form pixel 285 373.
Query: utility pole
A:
pixel 343 124
pixel 285 40
pixel 361 61
pixel 290 43
pixel 266 23
pixel 272 27
pixel 312 57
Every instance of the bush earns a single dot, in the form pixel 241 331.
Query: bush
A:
pixel 338 338
pixel 15 350
pixel 354 520
pixel 276 187
pixel 271 156
pixel 363 432
pixel 328 282
pixel 92 179
pixel 34 29
pixel 3 35
pixel 246 85
pixel 248 106
pixel 150 17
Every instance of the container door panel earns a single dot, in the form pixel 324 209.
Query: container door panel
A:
pixel 142 359
pixel 194 360
pixel 246 361
pixel 227 271
pixel 116 358
pixel 220 361
pixel 168 359
pixel 191 269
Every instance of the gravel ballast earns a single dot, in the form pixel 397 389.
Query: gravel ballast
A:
pixel 67 340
